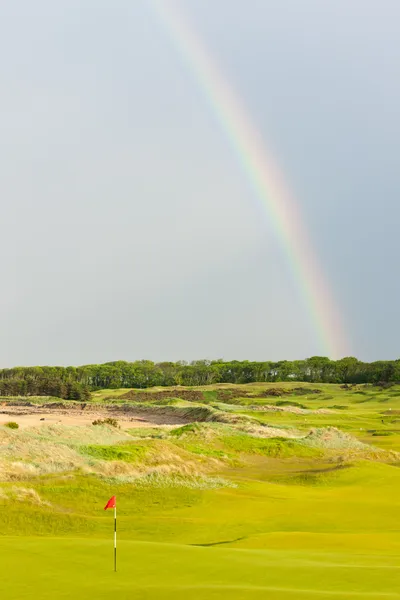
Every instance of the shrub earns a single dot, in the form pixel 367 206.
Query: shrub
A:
pixel 108 421
pixel 384 385
pixel 304 391
pixel 12 425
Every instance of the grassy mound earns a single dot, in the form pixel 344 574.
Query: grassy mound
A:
pixel 333 439
pixel 276 447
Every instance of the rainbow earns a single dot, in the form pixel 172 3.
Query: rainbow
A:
pixel 261 170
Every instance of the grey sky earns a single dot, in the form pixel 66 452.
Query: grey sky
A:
pixel 128 228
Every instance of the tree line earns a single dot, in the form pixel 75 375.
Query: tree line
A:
pixel 76 383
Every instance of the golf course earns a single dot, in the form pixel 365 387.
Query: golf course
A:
pixel 227 491
pixel 200 357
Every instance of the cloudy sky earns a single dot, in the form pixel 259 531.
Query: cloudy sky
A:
pixel 129 227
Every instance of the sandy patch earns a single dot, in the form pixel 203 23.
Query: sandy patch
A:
pixel 30 418
pixel 296 410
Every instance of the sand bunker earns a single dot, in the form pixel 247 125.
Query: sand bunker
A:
pixel 31 416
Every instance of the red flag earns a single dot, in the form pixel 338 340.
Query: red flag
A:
pixel 112 503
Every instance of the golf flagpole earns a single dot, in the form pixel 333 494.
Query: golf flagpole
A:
pixel 112 503
pixel 115 537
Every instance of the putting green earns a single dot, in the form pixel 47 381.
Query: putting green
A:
pixel 52 568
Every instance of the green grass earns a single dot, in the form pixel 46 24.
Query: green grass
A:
pixel 273 447
pixel 210 509
pixel 278 538
pixel 126 453
pixel 186 429
pixel 83 569
pixel 275 538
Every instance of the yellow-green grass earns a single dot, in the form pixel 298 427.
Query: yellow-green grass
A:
pixel 214 512
pixel 292 497
pixel 336 537
pixel 82 569
pixel 101 395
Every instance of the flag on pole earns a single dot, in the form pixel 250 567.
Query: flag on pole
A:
pixel 112 503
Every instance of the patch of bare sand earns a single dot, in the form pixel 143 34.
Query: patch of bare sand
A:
pixel 31 417
pixel 296 410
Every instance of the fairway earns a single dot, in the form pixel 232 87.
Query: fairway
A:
pixel 82 569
